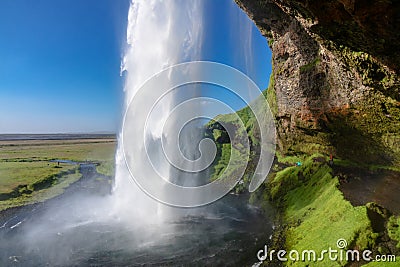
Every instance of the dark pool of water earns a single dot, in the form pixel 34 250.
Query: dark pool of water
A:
pixel 229 234
pixel 380 186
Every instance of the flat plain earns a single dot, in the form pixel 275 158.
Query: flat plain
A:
pixel 35 170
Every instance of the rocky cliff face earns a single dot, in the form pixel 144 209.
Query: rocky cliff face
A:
pixel 336 67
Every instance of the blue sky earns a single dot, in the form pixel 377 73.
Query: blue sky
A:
pixel 231 38
pixel 60 61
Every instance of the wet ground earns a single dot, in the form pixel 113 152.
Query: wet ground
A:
pixel 361 186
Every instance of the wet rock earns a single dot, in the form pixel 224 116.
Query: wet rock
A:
pixel 334 62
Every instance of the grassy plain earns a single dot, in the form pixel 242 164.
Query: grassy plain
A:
pixel 27 174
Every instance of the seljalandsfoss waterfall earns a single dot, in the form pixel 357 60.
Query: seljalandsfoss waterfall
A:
pixel 133 225
pixel 159 35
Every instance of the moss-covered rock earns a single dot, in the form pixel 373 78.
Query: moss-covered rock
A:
pixel 331 63
pixel 335 89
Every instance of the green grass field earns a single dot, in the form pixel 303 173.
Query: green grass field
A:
pixel 27 174
pixel 15 173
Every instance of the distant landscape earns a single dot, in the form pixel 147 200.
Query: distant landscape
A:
pixel 37 167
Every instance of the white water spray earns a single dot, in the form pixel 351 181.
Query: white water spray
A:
pixel 159 34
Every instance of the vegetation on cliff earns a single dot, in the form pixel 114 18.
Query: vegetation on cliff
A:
pixel 313 212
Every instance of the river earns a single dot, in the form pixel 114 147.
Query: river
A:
pixel 226 233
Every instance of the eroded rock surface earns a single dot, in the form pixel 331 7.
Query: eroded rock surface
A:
pixel 336 75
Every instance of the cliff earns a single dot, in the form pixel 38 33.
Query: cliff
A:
pixel 336 71
pixel 335 89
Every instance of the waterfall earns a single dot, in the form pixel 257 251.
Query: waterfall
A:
pixel 164 93
pixel 81 227
pixel 159 34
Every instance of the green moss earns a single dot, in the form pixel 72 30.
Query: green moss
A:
pixel 393 227
pixel 217 133
pixel 316 212
pixel 288 159
pixel 364 134
pixel 372 72
pixel 366 239
pixel 271 95
pixel 384 264
pixel 311 65
pixel 270 42
pixel 367 131
pixel 222 160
